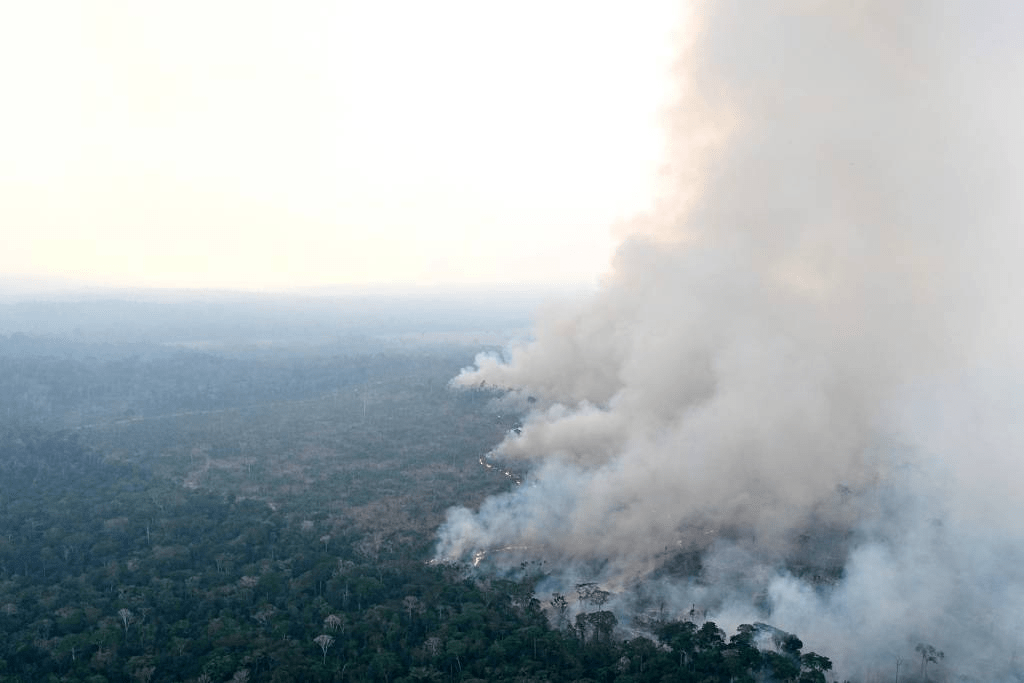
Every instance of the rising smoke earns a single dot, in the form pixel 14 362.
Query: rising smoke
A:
pixel 798 396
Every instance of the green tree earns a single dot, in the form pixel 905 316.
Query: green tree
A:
pixel 813 667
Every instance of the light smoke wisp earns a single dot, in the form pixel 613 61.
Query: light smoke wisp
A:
pixel 798 397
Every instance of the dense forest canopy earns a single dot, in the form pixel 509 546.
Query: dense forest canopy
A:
pixel 241 512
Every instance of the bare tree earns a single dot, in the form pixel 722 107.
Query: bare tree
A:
pixel 928 654
pixel 561 606
pixel 127 619
pixel 370 546
pixel 412 605
pixel 263 616
pixel 144 674
pixel 324 641
pixel 332 621
pixel 592 593
pixel 585 590
pixel 433 645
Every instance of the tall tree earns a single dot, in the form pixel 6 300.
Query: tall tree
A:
pixel 928 654
pixel 324 641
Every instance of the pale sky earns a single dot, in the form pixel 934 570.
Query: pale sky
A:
pixel 283 144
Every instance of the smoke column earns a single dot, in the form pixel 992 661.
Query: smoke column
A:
pixel 804 367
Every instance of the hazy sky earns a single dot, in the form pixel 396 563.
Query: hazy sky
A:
pixel 281 144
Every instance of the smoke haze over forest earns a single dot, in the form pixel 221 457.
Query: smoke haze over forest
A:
pixel 794 398
pixel 805 366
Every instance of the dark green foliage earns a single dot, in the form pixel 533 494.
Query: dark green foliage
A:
pixel 813 668
pixel 223 543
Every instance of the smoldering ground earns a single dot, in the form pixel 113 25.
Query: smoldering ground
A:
pixel 804 369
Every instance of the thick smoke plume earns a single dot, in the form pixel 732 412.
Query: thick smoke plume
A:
pixel 797 398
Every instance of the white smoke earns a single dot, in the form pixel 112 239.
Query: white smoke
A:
pixel 807 357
